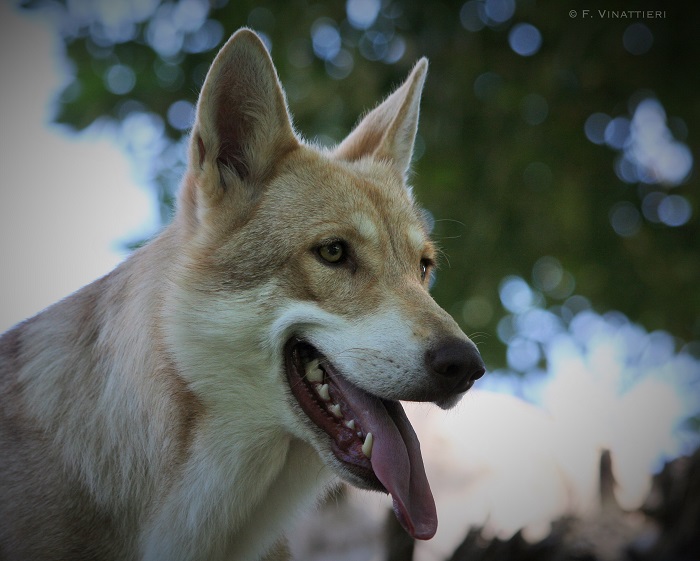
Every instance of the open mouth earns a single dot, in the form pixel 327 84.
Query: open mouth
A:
pixel 370 437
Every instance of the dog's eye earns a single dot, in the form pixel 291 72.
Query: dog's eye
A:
pixel 332 252
pixel 425 266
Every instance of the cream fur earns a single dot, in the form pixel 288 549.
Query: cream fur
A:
pixel 148 415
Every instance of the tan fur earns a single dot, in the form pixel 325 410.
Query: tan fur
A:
pixel 147 416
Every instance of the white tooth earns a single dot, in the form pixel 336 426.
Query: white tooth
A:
pixel 313 372
pixel 367 446
pixel 323 392
pixel 350 424
pixel 335 409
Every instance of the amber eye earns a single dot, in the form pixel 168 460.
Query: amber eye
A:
pixel 332 252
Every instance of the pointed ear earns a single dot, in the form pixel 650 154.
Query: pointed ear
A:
pixel 242 124
pixel 389 131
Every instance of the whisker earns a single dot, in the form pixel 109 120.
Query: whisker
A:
pixel 476 334
pixel 451 220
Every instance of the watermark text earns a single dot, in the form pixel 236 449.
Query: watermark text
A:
pixel 618 14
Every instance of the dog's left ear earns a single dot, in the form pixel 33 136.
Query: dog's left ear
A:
pixel 389 131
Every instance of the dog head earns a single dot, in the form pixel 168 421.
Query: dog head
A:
pixel 305 276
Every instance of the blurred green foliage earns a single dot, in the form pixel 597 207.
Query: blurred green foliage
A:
pixel 503 162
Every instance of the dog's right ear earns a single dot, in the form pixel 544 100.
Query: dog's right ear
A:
pixel 242 126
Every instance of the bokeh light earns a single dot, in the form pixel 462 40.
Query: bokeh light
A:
pixel 170 76
pixel 674 210
pixel 472 15
pixel 516 295
pixel 499 11
pixel 653 148
pixel 362 13
pixel 650 156
pixel 595 127
pixel 325 38
pixel 646 143
pixel 115 20
pixel 477 14
pixel 163 34
pixel 477 311
pixel 523 354
pixel 574 357
pixel 525 39
pixel 617 132
pixel 205 38
pixel 341 65
pixel 547 273
pixel 374 45
pixel 625 219
pixel 120 79
pixel 181 115
pixel 637 39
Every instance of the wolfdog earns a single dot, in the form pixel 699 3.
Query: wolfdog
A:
pixel 187 405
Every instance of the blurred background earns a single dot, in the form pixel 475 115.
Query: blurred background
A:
pixel 557 155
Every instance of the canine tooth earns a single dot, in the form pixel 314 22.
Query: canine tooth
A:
pixel 335 409
pixel 350 424
pixel 313 372
pixel 367 446
pixel 323 392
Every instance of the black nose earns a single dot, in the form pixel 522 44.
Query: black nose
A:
pixel 455 364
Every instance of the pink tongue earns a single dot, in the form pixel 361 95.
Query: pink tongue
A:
pixel 396 460
pixel 405 479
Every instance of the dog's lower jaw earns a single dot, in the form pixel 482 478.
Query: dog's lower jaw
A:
pixel 350 444
pixel 449 402
pixel 352 420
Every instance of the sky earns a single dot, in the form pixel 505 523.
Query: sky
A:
pixel 68 202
